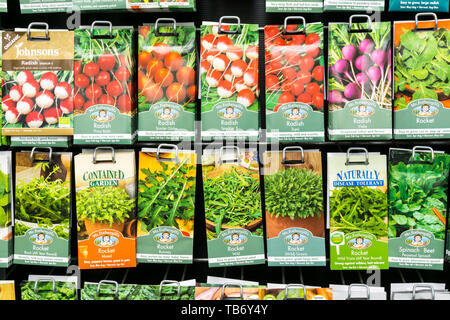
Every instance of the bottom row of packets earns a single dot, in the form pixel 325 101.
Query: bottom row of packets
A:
pixel 65 288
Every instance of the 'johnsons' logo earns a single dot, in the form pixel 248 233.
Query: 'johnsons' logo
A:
pixel 102 178
pixel 358 178
pixel 26 52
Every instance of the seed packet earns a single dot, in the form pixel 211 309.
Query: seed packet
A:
pixel 357 210
pixel 3 139
pixel 3 6
pixel 422 93
pixel 415 6
pixel 419 291
pixel 44 6
pixel 37 82
pixel 6 199
pixel 418 184
pixel 227 291
pixel 104 100
pixel 357 292
pixel 294 6
pixel 229 81
pixel 158 5
pixel 42 210
pixel 295 225
pixel 294 82
pixel 106 208
pixel 361 5
pixel 47 288
pixel 7 290
pixel 166 205
pixel 359 82
pixel 295 292
pixel 167 82
pixel 233 214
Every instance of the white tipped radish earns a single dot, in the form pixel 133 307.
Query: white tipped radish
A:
pixel 251 77
pixel 30 89
pixel 238 68
pixel 246 97
pixel 228 75
pixel 240 85
pixel 207 41
pixel 252 52
pixel 66 105
pixel 12 115
pixel 48 81
pixel 225 89
pixel 52 115
pixel 45 99
pixel 205 66
pixel 235 53
pixel 24 77
pixel 63 90
pixel 211 54
pixel 213 78
pixel 215 29
pixel 224 43
pixel 220 63
pixel 25 106
pixel 7 103
pixel 16 93
pixel 34 120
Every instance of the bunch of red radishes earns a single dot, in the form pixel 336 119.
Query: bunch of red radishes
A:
pixel 230 66
pixel 31 101
pixel 103 80
pixel 294 72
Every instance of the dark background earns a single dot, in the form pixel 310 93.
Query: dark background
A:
pixel 250 11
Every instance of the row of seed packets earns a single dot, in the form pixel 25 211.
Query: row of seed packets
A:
pixel 88 89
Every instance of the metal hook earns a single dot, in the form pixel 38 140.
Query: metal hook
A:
pixel 114 283
pixel 348 162
pixel 294 285
pixel 52 280
pixel 422 149
pixel 221 31
pixel 41 160
pixel 235 159
pixel 42 24
pixel 225 285
pixel 423 14
pixel 108 23
pixel 166 34
pixel 113 156
pixel 361 285
pixel 369 24
pixel 285 30
pixel 168 146
pixel 166 282
pixel 293 162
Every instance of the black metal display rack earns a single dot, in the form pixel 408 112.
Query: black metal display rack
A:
pixel 249 11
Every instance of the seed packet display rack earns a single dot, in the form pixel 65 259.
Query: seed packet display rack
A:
pixel 249 12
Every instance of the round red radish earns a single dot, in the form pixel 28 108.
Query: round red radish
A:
pixel 30 89
pixel 173 61
pixel 88 104
pixel 94 91
pixel 228 75
pixel 286 97
pixel 16 93
pixel 124 103
pixel 163 77
pixel 45 99
pixel 66 105
pixel 213 78
pixel 34 120
pixel 238 68
pixel 205 66
pixel 78 101
pixel 220 63
pixel 91 69
pixel 52 115
pixel 106 62
pixel 224 43
pixel 81 81
pixel 289 74
pixel 317 100
pixel 7 103
pixel 186 76
pixel 312 88
pixel 252 52
pixel 225 89
pixel 48 81
pixel 103 78
pixel 317 73
pixel 153 93
pixel 304 98
pixel 304 76
pixel 211 54
pixel 24 77
pixel 12 115
pixel 235 53
pixel 106 99
pixel 114 88
pixel 275 67
pixel 176 92
pixel 251 77
pixel 63 90
pixel 272 82
pixel 144 58
pixel 160 50
pixel 207 41
pixel 246 97
pixel 25 106
pixel 297 87
pixel 77 67
pixel 122 74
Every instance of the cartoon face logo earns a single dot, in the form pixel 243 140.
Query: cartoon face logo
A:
pixel 41 239
pixel 235 239
pixel 296 239
pixel 102 115
pixel 167 113
pixel 295 113
pixel 425 110
pixel 359 243
pixel 165 237
pixel 417 240
pixel 106 241
pixel 229 112
pixel 362 111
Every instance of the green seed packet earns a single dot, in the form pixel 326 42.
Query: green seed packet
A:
pixel 6 242
pixel 47 288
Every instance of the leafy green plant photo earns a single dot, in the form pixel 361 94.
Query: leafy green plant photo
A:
pixel 294 193
pixel 44 291
pixel 418 196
